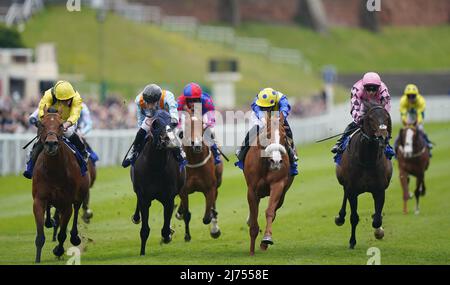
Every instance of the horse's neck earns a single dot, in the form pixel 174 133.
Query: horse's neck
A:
pixel 153 157
pixel 418 141
pixel 368 151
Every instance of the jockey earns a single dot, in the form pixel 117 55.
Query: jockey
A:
pixel 84 125
pixel 268 100
pixel 149 100
pixel 369 88
pixel 61 95
pixel 412 101
pixel 193 93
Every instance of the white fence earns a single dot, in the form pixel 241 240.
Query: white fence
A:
pixel 111 145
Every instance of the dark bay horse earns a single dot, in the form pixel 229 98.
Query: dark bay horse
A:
pixel 365 168
pixel 413 159
pixel 266 172
pixel 201 175
pixel 57 181
pixel 156 175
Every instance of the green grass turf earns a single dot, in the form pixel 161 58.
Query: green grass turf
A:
pixel 304 231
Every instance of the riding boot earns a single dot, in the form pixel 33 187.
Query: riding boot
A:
pixel 337 148
pixel 429 143
pixel 78 143
pixel 136 149
pixel 35 151
pixel 216 154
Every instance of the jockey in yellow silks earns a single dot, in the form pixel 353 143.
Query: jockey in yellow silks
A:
pixel 61 95
pixel 413 104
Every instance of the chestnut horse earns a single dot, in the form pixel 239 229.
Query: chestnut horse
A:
pixel 57 181
pixel 201 175
pixel 413 159
pixel 266 172
pixel 365 168
pixel 87 212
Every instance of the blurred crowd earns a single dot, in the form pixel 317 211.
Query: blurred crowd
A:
pixel 111 114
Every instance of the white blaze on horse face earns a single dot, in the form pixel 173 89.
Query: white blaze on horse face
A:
pixel 408 148
pixel 382 127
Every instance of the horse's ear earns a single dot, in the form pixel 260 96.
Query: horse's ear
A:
pixel 45 110
pixel 60 110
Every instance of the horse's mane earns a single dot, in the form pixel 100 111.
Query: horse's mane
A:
pixel 371 104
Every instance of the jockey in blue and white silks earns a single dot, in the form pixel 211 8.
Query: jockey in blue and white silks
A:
pixel 269 99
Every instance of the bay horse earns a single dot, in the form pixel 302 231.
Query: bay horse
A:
pixel 156 176
pixel 365 168
pixel 202 175
pixel 57 181
pixel 413 159
pixel 266 171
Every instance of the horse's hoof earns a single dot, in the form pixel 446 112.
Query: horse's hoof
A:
pixel 379 233
pixel 352 246
pixel 75 240
pixel 263 246
pixel 216 234
pixel 416 212
pixel 87 216
pixel 135 220
pixel 179 216
pixel 58 251
pixel 267 240
pixel 207 221
pixel 338 221
pixel 50 223
pixel 187 238
pixel 166 240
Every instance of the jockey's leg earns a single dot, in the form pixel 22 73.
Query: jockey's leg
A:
pixel 74 138
pixel 33 155
pixel 138 144
pixel 216 154
pixel 348 130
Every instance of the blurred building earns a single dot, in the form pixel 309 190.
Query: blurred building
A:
pixel 337 12
pixel 25 73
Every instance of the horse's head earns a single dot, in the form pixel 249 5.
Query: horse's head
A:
pixel 276 134
pixel 51 130
pixel 160 132
pixel 194 123
pixel 376 124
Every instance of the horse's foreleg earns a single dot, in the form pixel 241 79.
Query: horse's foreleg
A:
pixel 145 229
pixel 166 232
pixel 377 218
pixel 209 197
pixel 340 220
pixel 276 192
pixel 56 218
pixel 74 238
pixel 87 213
pixel 253 203
pixel 66 213
pixel 215 230
pixel 418 192
pixel 354 218
pixel 38 211
pixel 183 212
pixel 49 222
pixel 404 182
pixel 136 218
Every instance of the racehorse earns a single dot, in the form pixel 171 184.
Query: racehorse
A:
pixel 87 212
pixel 413 159
pixel 201 175
pixel 57 181
pixel 365 168
pixel 266 171
pixel 156 175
